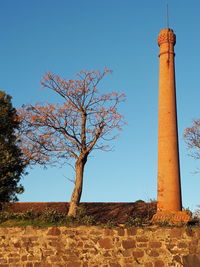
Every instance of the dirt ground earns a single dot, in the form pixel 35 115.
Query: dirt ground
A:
pixel 102 212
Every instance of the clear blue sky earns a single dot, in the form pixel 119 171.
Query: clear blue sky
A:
pixel 65 36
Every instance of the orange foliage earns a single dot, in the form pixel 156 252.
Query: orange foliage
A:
pixel 53 133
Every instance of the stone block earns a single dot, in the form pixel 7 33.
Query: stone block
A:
pixel 108 232
pixel 179 252
pixel 105 243
pixel 74 264
pixel 29 230
pixel 142 244
pixel 189 232
pixel 197 233
pixel 153 253
pixel 54 244
pixel 47 252
pixel 126 253
pixel 120 232
pixel 176 233
pixel 80 244
pixel 191 261
pixel 155 244
pixel 132 231
pixel 24 258
pixel 54 231
pixel 4 261
pixel 13 260
pixel 129 243
pixel 159 263
pixel 193 246
pixel 182 245
pixel 115 265
pixel 17 245
pixel 142 239
pixel 107 255
pixel 97 233
pixel 138 254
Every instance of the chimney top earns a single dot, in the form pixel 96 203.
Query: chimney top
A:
pixel 166 36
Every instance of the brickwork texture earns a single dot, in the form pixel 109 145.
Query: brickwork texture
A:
pixel 97 247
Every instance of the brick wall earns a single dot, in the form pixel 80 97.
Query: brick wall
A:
pixel 97 247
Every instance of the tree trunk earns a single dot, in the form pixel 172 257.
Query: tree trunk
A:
pixel 76 195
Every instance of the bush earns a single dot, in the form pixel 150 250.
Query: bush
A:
pixel 51 216
pixel 137 222
pixel 83 218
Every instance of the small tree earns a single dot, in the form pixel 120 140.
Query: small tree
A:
pixel 56 133
pixel 11 163
pixel 192 137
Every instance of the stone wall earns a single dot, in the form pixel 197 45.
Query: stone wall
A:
pixel 97 247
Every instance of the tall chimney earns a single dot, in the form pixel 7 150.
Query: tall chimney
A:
pixel 169 188
pixel 169 206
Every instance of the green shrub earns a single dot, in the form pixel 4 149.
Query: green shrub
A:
pixel 51 216
pixel 48 216
pixel 83 218
pixel 4 216
pixel 110 224
pixel 137 222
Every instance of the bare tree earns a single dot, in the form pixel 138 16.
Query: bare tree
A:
pixel 192 137
pixel 52 134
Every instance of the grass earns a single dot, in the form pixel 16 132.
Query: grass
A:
pixel 50 217
pixel 47 218
pixel 36 223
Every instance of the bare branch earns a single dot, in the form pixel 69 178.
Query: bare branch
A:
pixel 51 133
pixel 192 138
